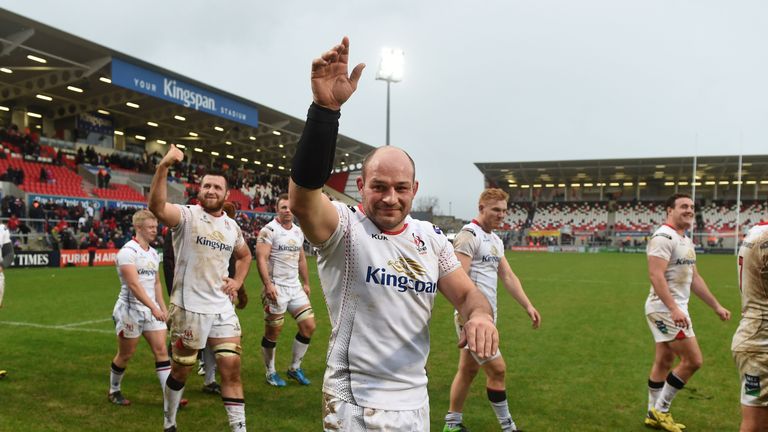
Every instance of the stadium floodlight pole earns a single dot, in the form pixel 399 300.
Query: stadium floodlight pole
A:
pixel 391 71
pixel 738 208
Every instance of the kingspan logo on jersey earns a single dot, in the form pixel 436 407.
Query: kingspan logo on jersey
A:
pixel 690 258
pixel 290 247
pixel 410 272
pixel 494 256
pixel 216 242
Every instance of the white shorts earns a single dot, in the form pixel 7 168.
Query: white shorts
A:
pixel 340 416
pixel 664 329
pixel 753 372
pixel 459 324
pixel 131 322
pixel 289 298
pixel 194 328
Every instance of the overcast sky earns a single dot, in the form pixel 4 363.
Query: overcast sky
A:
pixel 484 81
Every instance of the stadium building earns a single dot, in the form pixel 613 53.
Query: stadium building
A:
pixel 82 125
pixel 620 202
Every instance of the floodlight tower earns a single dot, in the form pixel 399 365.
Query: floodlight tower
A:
pixel 391 71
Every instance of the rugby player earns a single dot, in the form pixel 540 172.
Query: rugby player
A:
pixel 140 308
pixel 481 254
pixel 281 261
pixel 379 269
pixel 750 342
pixel 201 311
pixel 673 274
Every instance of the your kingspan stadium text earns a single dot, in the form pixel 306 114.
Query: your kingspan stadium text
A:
pixel 213 244
pixel 379 276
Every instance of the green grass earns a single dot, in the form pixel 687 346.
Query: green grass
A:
pixel 584 370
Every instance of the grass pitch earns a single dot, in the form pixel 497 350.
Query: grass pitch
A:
pixel 584 370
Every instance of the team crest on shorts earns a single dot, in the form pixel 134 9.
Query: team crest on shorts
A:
pixel 662 327
pixel 751 385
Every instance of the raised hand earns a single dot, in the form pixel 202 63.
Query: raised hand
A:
pixel 174 155
pixel 331 84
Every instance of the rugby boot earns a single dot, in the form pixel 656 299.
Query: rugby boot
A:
pixel 663 420
pixel 298 375
pixel 118 399
pixel 274 379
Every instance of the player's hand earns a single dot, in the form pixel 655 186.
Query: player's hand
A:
pixel 270 292
pixel 306 289
pixel 242 298
pixel 159 314
pixel 174 155
pixel 723 313
pixel 678 316
pixel 331 86
pixel 230 287
pixel 535 316
pixel 480 335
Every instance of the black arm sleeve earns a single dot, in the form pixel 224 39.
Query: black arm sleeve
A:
pixel 8 255
pixel 315 151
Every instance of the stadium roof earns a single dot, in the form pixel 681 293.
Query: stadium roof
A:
pixel 61 76
pixel 607 171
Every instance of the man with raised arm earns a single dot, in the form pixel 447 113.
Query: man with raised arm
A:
pixel 380 271
pixel 673 274
pixel 201 311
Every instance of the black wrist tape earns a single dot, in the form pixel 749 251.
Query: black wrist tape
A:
pixel 313 160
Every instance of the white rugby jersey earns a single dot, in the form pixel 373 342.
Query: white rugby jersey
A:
pixel 678 250
pixel 286 250
pixel 752 334
pixel 5 234
pixel 380 288
pixel 147 263
pixel 486 250
pixel 202 245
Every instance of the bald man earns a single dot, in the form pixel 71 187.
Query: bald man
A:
pixel 380 271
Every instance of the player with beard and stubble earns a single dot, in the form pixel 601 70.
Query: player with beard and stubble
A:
pixel 673 274
pixel 201 311
pixel 379 269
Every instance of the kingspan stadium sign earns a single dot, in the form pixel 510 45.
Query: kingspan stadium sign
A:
pixel 154 84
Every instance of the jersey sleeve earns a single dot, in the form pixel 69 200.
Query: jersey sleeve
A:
pixel 465 242
pixel 186 216
pixel 345 213
pixel 126 256
pixel 446 257
pixel 240 240
pixel 265 235
pixel 661 245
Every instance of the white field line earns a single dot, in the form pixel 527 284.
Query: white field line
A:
pixel 54 327
pixel 77 324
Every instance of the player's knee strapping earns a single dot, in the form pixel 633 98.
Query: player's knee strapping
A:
pixel 304 315
pixel 227 349
pixel 184 360
pixel 275 322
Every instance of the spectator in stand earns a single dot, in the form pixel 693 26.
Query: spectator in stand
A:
pixel 36 212
pixel 13 223
pixel 43 175
pixel 100 178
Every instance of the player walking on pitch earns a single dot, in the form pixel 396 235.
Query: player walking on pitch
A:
pixel 750 343
pixel 380 271
pixel 281 261
pixel 481 254
pixel 140 308
pixel 6 249
pixel 673 275
pixel 201 312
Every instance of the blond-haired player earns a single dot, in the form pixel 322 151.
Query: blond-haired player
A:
pixel 750 343
pixel 140 308
pixel 673 274
pixel 481 254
